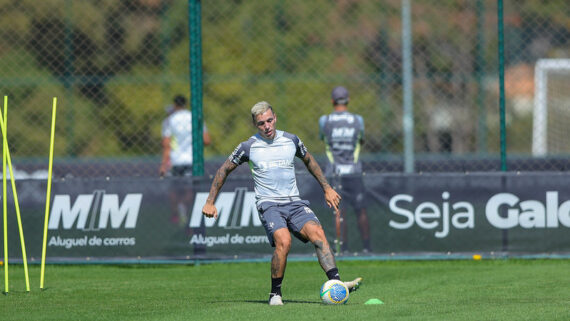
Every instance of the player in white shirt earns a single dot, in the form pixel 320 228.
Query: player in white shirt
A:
pixel 270 154
pixel 177 157
pixel 177 140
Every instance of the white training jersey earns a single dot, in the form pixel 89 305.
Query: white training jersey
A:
pixel 272 165
pixel 178 126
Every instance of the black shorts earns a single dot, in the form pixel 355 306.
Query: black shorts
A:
pixel 180 185
pixel 351 189
pixel 181 170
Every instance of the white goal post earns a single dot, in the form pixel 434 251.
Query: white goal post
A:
pixel 540 116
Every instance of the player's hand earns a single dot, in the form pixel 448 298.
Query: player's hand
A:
pixel 332 198
pixel 163 169
pixel 210 210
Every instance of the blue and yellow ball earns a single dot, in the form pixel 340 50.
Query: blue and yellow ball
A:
pixel 334 292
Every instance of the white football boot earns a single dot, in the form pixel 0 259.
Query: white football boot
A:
pixel 275 300
pixel 353 285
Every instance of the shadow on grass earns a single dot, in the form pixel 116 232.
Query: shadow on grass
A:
pixel 15 292
pixel 265 301
pixel 23 291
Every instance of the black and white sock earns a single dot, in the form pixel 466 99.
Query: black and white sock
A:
pixel 276 285
pixel 333 274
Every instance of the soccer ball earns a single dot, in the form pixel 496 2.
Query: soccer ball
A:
pixel 334 292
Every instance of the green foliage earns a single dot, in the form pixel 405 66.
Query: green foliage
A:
pixel 114 65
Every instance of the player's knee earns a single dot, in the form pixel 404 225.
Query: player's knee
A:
pixel 318 235
pixel 282 241
pixel 282 246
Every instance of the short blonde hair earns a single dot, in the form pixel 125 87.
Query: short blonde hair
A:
pixel 259 109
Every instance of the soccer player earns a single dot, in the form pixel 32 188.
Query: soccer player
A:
pixel 343 133
pixel 177 140
pixel 177 156
pixel 270 154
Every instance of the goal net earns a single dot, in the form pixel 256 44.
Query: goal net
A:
pixel 551 118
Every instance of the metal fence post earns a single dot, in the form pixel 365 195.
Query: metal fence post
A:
pixel 195 34
pixel 480 73
pixel 501 50
pixel 408 116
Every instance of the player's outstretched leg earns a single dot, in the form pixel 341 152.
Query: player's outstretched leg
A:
pixel 314 233
pixel 354 284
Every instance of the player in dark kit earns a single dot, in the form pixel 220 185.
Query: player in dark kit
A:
pixel 270 155
pixel 343 133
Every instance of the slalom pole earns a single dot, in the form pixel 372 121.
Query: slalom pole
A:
pixel 16 204
pixel 338 225
pixel 48 193
pixel 337 217
pixel 5 200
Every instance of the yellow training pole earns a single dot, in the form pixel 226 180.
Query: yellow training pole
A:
pixel 13 181
pixel 5 200
pixel 51 141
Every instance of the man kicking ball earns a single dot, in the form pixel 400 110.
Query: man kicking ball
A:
pixel 270 154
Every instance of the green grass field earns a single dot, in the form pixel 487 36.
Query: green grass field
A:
pixel 510 289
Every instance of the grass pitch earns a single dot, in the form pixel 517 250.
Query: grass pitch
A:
pixel 411 290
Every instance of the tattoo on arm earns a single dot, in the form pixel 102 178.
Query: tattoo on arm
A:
pixel 315 170
pixel 220 178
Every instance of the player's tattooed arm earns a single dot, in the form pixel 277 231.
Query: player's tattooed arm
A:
pixel 219 180
pixel 331 196
pixel 315 170
pixel 209 209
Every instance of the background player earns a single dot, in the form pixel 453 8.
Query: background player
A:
pixel 177 156
pixel 343 133
pixel 270 154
